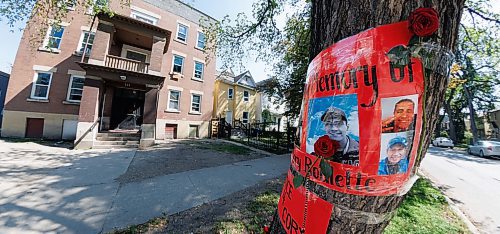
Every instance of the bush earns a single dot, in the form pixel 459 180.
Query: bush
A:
pixel 468 137
pixel 444 134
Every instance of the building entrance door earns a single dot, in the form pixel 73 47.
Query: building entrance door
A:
pixel 127 109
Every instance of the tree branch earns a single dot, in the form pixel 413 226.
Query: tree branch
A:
pixel 261 19
pixel 482 16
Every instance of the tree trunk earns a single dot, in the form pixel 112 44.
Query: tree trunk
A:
pixel 447 109
pixel 472 114
pixel 332 21
pixel 452 132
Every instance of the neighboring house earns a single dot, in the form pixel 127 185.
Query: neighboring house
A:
pixel 237 98
pixel 494 120
pixel 485 127
pixel 4 81
pixel 276 109
pixel 144 71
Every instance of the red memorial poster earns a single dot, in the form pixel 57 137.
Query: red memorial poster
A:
pixel 373 108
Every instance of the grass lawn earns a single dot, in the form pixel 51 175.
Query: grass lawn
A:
pixel 424 210
pixel 223 147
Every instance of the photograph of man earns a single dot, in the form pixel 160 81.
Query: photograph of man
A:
pixel 396 161
pixel 336 126
pixel 402 119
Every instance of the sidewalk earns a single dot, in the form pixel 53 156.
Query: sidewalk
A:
pixel 137 203
pixel 46 189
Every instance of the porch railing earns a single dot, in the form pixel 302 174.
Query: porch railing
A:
pixel 126 64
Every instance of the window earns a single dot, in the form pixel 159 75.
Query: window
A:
pixel 101 3
pixel 173 100
pixel 70 4
pixel 83 41
pixel 245 96
pixel 193 131
pixel 245 117
pixel 196 103
pixel 54 37
pixel 198 70
pixel 182 31
pixel 200 43
pixel 144 17
pixel 97 4
pixel 230 93
pixel 41 85
pixel 178 64
pixel 75 88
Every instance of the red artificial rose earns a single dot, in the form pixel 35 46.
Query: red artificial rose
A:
pixel 325 147
pixel 424 21
pixel 266 229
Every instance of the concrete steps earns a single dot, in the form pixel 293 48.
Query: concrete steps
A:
pixel 116 140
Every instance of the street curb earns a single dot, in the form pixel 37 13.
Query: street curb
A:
pixel 454 207
pixel 252 148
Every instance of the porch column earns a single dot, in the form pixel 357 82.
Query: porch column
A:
pixel 157 55
pixel 88 115
pixel 149 117
pixel 102 40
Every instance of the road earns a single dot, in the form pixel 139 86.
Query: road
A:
pixel 473 183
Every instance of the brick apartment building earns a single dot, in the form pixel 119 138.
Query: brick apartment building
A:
pixel 144 73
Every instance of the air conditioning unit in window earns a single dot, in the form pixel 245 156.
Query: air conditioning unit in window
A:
pixel 175 76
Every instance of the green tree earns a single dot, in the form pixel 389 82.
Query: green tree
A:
pixel 475 76
pixel 327 22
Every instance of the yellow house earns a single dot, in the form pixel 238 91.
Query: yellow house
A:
pixel 237 98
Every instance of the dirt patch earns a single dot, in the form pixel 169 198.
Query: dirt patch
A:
pixel 245 211
pixel 186 155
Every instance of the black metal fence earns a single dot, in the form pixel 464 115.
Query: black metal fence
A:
pixel 259 135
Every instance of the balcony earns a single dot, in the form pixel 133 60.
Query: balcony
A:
pixel 127 50
pixel 126 64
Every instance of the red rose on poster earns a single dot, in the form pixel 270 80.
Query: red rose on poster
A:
pixel 325 147
pixel 424 21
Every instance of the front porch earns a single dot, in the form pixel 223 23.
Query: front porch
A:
pixel 122 83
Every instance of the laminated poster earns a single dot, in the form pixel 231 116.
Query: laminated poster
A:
pixel 372 108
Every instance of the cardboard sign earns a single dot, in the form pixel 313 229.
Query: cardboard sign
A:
pixel 372 108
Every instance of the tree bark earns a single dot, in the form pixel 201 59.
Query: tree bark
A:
pixel 452 132
pixel 447 109
pixel 472 114
pixel 332 21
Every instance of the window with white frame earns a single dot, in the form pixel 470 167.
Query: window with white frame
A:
pixel 75 89
pixel 198 70
pixel 182 32
pixel 245 117
pixel 54 37
pixel 246 96
pixel 144 17
pixel 174 100
pixel 41 85
pixel 200 43
pixel 230 93
pixel 196 103
pixel 178 64
pixel 70 4
pixel 97 4
pixel 86 40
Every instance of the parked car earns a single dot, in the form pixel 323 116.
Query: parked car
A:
pixel 443 142
pixel 485 148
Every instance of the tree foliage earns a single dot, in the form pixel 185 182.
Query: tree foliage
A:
pixel 44 13
pixel 475 75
